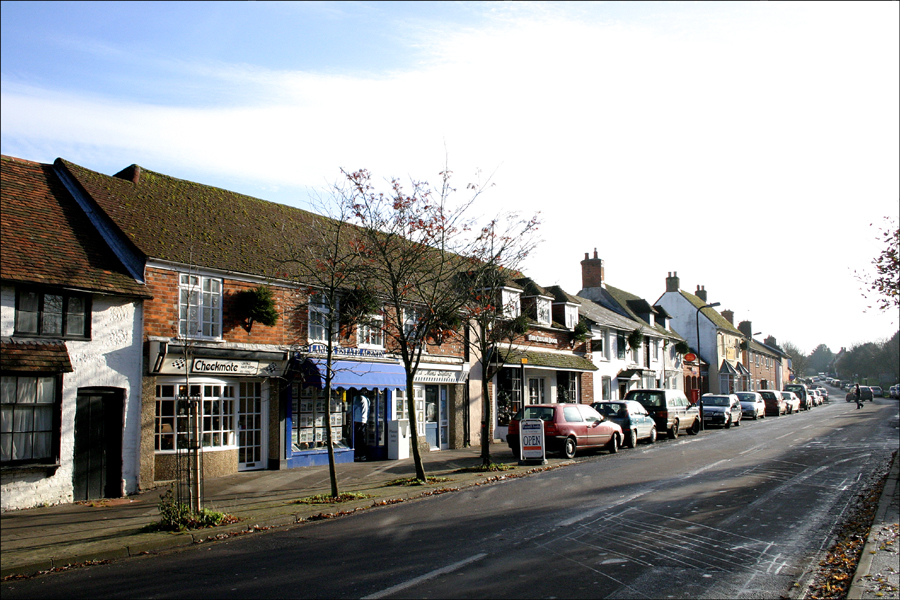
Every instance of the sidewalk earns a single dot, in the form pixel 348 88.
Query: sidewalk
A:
pixel 878 572
pixel 50 537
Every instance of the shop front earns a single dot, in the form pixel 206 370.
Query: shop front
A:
pixel 365 397
pixel 229 389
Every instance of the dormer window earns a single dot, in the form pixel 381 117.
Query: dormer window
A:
pixel 543 311
pixel 512 305
pixel 571 317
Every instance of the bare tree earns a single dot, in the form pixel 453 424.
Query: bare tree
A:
pixel 412 243
pixel 325 269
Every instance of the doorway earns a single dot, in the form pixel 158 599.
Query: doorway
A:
pixel 99 420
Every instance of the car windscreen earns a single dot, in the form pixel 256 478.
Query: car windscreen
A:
pixel 648 399
pixel 747 397
pixel 769 395
pixel 610 409
pixel 544 413
pixel 716 401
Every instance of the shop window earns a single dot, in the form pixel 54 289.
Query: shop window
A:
pixel 509 395
pixel 29 429
pixel 199 306
pixel 215 410
pixel 310 411
pixel 52 314
pixel 419 402
pixel 566 387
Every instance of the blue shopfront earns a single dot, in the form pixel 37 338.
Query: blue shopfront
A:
pixel 355 383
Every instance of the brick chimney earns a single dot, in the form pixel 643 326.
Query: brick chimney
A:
pixel 729 316
pixel 746 327
pixel 592 271
pixel 770 341
pixel 672 282
pixel 701 293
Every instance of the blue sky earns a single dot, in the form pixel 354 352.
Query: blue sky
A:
pixel 747 146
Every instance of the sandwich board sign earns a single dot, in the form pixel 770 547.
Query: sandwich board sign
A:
pixel 531 442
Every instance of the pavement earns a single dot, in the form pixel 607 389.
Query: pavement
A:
pixel 878 571
pixel 56 537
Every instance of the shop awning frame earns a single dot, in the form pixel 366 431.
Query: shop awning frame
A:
pixel 353 374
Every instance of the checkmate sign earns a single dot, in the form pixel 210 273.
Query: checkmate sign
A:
pixel 532 439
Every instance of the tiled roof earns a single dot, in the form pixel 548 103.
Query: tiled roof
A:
pixel 596 313
pixel 631 304
pixel 190 223
pixel 530 288
pixel 34 356
pixel 711 313
pixel 47 238
pixel 762 349
pixel 551 360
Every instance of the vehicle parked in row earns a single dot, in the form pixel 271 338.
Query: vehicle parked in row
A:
pixel 635 421
pixel 865 393
pixel 669 408
pixel 823 391
pixel 802 392
pixel 721 409
pixel 877 391
pixel 815 396
pixel 567 428
pixel 792 402
pixel 775 404
pixel 752 405
pixel 895 391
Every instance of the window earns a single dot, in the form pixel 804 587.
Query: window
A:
pixel 606 383
pixel 52 314
pixel 411 318
pixel 318 320
pixel 655 349
pixel 543 311
pixel 600 345
pixel 28 409
pixel 620 345
pixel 370 334
pixel 511 305
pixel 566 387
pixel 571 317
pixel 173 414
pixel 199 306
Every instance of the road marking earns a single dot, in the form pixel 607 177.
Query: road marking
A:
pixel 417 580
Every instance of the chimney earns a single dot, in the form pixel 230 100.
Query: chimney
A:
pixel 770 341
pixel 729 316
pixel 746 327
pixel 701 293
pixel 130 173
pixel 591 271
pixel 672 282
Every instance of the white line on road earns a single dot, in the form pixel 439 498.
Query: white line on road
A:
pixel 417 580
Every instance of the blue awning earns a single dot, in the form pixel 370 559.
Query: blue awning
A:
pixel 353 374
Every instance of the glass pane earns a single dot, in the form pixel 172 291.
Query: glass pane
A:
pixel 43 418
pixel 46 390
pixel 7 389
pixel 23 419
pixel 27 390
pixel 41 447
pixel 74 324
pixel 6 447
pixel 27 313
pixel 6 419
pixel 52 314
pixel 21 446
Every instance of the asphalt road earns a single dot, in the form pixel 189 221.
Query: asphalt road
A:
pixel 740 513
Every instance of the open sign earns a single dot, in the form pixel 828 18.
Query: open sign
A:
pixel 531 441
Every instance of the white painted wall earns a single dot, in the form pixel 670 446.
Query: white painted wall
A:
pixel 112 358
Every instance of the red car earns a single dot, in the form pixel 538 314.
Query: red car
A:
pixel 567 428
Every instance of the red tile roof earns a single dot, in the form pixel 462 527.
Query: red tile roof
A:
pixel 47 238
pixel 34 356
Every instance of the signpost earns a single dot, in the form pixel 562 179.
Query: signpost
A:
pixel 532 448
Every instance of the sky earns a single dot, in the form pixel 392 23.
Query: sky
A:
pixel 753 148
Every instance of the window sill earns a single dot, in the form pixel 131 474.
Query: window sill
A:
pixel 48 469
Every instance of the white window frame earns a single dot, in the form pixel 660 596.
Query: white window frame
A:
pixel 203 295
pixel 318 313
pixel 371 335
pixel 544 311
pixel 571 317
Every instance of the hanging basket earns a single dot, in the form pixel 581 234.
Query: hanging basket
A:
pixel 636 338
pixel 257 305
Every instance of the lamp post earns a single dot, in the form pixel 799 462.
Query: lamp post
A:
pixel 697 318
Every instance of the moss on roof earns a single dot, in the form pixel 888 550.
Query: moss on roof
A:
pixel 711 313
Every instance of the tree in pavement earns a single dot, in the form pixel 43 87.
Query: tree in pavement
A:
pixel 412 242
pixel 495 322
pixel 885 284
pixel 325 269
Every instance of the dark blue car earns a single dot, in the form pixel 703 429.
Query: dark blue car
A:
pixel 635 421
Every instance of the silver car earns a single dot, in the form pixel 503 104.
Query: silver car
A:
pixel 792 402
pixel 752 405
pixel 721 409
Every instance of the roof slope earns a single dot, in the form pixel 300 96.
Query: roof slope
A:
pixel 631 304
pixel 713 315
pixel 596 313
pixel 47 238
pixel 190 223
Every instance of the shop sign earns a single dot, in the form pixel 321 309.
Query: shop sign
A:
pixel 435 376
pixel 543 339
pixel 224 366
pixel 531 440
pixel 339 351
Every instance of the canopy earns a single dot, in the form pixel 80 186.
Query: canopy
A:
pixel 353 374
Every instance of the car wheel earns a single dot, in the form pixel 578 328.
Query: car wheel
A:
pixel 631 440
pixel 569 448
pixel 515 452
pixel 652 438
pixel 738 422
pixel 673 432
pixel 695 427
pixel 613 445
pixel 728 423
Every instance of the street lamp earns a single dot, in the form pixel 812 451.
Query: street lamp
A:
pixel 697 318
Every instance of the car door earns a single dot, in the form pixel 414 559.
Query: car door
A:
pixel 595 426
pixel 640 419
pixel 575 425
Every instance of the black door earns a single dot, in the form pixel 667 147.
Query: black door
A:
pixel 98 444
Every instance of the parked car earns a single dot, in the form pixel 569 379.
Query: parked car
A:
pixel 802 392
pixel 670 410
pixel 635 421
pixel 721 409
pixel 823 391
pixel 895 391
pixel 792 402
pixel 877 391
pixel 815 396
pixel 752 405
pixel 865 393
pixel 775 404
pixel 567 428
